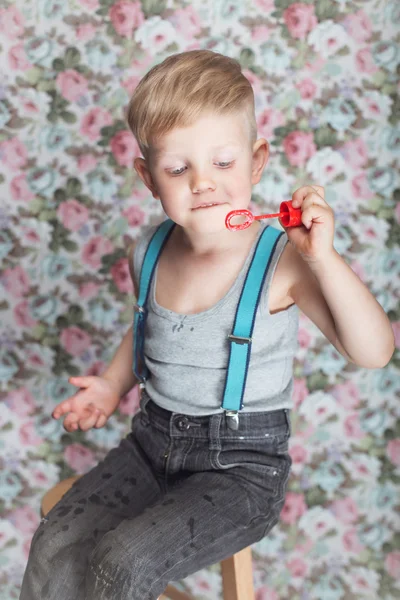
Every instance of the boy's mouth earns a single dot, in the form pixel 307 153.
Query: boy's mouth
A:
pixel 207 205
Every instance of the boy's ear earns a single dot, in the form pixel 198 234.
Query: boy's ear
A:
pixel 144 173
pixel 260 159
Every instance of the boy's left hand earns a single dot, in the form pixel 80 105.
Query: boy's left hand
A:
pixel 313 240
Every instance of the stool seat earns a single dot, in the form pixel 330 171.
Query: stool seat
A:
pixel 236 571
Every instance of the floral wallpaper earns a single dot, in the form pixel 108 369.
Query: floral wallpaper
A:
pixel 325 81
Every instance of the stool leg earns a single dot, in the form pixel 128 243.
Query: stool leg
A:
pixel 237 576
pixel 171 593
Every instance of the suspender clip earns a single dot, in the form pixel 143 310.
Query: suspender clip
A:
pixel 232 419
pixel 239 340
pixel 139 309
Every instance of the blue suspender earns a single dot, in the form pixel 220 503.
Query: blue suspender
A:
pixel 240 338
pixel 240 348
pixel 153 252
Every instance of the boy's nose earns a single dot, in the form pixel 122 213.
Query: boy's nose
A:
pixel 202 183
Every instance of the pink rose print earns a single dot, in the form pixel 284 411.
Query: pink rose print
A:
pixel 125 148
pixel 254 80
pixel 298 454
pixel 27 435
pixel 347 395
pixel 131 83
pixel 21 402
pixel 12 23
pixel 86 32
pixel 17 58
pixel 22 315
pixel 91 4
pixel 129 404
pixel 355 152
pixel 186 22
pixel 304 338
pixel 71 84
pixel 30 106
pixel 72 214
pixel 360 187
pixel 75 340
pixel 268 120
pixel 25 519
pixel 300 391
pixel 392 564
pixel 260 33
pixel 95 249
pixel 300 19
pixel 30 235
pixel 299 147
pixel 87 162
pixel 358 25
pixel 88 289
pixel 35 360
pixel 307 89
pixel 79 458
pixel 134 215
pixel 93 121
pixel 364 61
pixel 16 281
pixel 316 65
pixel 126 16
pixel 396 324
pixel 345 510
pixel 97 368
pixel 20 190
pixel 393 451
pixel 350 541
pixel 266 593
pixel 293 508
pixel 13 153
pixel 352 427
pixel 266 5
pixel 121 276
pixel 297 567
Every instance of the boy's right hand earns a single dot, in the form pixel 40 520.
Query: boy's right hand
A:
pixel 91 406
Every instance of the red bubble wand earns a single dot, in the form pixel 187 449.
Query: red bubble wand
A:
pixel 290 217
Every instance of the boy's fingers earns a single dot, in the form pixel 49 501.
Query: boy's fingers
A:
pixel 71 422
pixel 80 381
pixel 101 421
pixel 61 409
pixel 89 422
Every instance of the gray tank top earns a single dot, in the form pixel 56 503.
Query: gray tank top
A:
pixel 187 355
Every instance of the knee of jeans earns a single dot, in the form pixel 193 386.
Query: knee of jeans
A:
pixel 44 542
pixel 113 566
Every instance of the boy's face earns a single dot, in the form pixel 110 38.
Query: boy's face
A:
pixel 202 172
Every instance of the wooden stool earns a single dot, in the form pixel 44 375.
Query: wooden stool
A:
pixel 237 571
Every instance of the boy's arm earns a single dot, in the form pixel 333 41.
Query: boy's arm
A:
pixel 120 370
pixel 343 308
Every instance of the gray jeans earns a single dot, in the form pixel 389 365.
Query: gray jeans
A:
pixel 178 494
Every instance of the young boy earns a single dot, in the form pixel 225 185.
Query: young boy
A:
pixel 195 482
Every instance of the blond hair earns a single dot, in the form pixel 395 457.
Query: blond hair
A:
pixel 175 92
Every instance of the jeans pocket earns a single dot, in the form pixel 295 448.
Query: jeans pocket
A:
pixel 257 464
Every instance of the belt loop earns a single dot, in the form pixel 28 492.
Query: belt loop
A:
pixel 144 399
pixel 289 424
pixel 214 425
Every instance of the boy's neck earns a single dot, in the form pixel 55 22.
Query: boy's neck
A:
pixel 200 245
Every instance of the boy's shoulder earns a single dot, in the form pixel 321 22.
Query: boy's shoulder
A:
pixel 141 242
pixel 145 235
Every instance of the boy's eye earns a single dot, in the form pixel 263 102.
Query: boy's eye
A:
pixel 178 171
